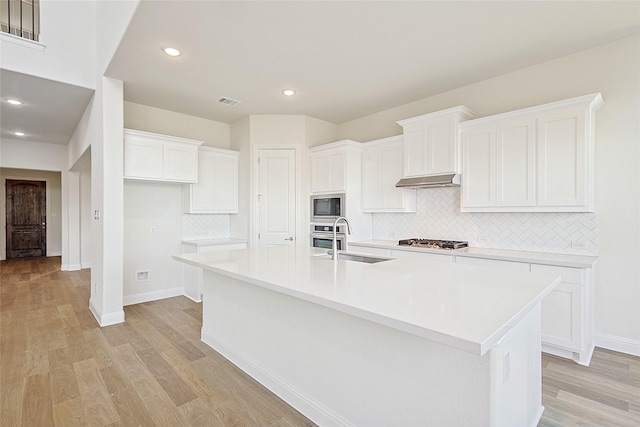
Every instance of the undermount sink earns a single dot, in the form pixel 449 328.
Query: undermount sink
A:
pixel 348 256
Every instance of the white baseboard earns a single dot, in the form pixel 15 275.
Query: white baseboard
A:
pixel 315 411
pixel 70 267
pixel 615 343
pixel 106 319
pixel 152 296
pixel 85 265
pixel 54 253
pixel 193 299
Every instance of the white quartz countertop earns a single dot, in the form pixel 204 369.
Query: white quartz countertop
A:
pixel 468 307
pixel 562 260
pixel 213 242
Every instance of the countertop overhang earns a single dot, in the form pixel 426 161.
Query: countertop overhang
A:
pixel 463 306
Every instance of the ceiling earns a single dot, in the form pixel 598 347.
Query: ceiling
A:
pixel 345 59
pixel 50 110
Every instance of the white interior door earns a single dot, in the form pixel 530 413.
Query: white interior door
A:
pixel 277 197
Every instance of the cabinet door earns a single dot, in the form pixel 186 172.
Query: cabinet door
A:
pixel 370 180
pixel 217 188
pixel 180 162
pixel 415 151
pixel 562 314
pixel 328 172
pixel 515 150
pixel 226 183
pixel 382 168
pixel 478 166
pixel 202 193
pixel 562 159
pixel 143 159
pixel 442 147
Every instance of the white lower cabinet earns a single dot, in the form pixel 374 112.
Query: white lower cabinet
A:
pixel 493 263
pixel 422 255
pixel 193 276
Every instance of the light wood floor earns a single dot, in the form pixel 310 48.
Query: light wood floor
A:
pixel 57 367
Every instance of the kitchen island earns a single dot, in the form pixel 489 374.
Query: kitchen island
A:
pixel 399 342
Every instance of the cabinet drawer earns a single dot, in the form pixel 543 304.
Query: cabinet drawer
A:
pixel 521 266
pixel 569 275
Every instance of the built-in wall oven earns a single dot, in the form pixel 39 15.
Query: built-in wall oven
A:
pixel 325 240
pixel 327 207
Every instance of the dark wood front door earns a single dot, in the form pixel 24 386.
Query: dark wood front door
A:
pixel 26 219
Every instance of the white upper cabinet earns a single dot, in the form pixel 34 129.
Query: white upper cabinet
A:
pixel 432 142
pixel 217 187
pixel 499 164
pixel 382 168
pixel 329 165
pixel 154 157
pixel 539 159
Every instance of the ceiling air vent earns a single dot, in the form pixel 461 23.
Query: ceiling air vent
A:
pixel 228 101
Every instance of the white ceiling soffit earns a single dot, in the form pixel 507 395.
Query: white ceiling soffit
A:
pixel 50 111
pixel 345 59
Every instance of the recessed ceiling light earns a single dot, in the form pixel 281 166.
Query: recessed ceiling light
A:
pixel 14 102
pixel 18 133
pixel 171 51
pixel 289 92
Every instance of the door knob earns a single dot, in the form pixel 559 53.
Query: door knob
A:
pixel 289 239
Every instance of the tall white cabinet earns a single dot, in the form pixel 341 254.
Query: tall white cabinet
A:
pixel 216 191
pixel 538 159
pixel 337 168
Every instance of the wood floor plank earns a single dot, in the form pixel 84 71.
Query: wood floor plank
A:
pixel 199 414
pixel 37 407
pixel 64 386
pixel 177 390
pixel 132 409
pixel 164 412
pixel 98 406
pixel 143 382
pixel 69 413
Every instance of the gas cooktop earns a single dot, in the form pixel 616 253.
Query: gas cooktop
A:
pixel 434 244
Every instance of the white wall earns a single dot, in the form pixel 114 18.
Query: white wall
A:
pixel 152 233
pixel 85 217
pixel 156 120
pixel 62 24
pixel 33 155
pixel 613 70
pixel 53 203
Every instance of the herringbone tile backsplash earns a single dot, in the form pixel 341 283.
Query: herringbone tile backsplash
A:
pixel 203 226
pixel 438 216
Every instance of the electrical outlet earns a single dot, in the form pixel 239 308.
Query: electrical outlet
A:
pixel 579 244
pixel 506 367
pixel 95 288
pixel 142 276
pixel 482 239
pixel 153 229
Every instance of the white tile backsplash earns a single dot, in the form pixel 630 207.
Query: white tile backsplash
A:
pixel 203 226
pixel 438 216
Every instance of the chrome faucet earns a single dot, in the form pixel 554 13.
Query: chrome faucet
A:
pixel 334 246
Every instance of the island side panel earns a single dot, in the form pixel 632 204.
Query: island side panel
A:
pixel 342 370
pixel 516 385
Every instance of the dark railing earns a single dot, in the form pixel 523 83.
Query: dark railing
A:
pixel 20 18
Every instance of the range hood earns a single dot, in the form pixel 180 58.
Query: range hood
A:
pixel 448 180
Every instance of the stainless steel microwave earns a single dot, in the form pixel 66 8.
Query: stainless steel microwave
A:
pixel 327 207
